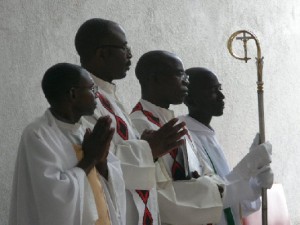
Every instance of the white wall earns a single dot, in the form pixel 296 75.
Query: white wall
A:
pixel 37 34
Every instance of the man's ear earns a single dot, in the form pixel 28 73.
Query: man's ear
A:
pixel 151 79
pixel 157 79
pixel 101 53
pixel 72 94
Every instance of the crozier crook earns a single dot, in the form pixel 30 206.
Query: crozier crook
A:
pixel 246 36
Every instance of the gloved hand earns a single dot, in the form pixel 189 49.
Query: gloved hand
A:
pixel 255 142
pixel 265 178
pixel 258 157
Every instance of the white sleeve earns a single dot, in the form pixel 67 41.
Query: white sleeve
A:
pixel 43 191
pixel 249 207
pixel 192 202
pixel 136 163
pixel 116 188
pixel 241 191
pixel 136 160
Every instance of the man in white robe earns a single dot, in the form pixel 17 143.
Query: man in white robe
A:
pixel 204 101
pixel 61 174
pixel 102 47
pixel 184 197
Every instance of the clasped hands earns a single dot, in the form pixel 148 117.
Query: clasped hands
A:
pixel 96 145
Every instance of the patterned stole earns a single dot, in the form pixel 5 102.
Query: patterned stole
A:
pixel 100 199
pixel 177 169
pixel 122 130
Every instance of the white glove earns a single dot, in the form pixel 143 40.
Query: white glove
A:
pixel 265 178
pixel 255 142
pixel 256 159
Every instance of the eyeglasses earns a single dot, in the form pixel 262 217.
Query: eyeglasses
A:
pixel 94 88
pixel 123 47
pixel 182 75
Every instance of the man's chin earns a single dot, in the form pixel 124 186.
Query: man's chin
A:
pixel 121 76
pixel 178 102
pixel 90 113
pixel 218 113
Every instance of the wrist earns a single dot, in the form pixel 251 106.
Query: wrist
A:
pixel 102 168
pixel 86 164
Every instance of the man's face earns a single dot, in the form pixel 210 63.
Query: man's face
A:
pixel 84 92
pixel 208 98
pixel 173 85
pixel 118 54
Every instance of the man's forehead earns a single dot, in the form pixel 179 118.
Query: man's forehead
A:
pixel 174 62
pixel 204 81
pixel 90 77
pixel 212 81
pixel 86 76
pixel 117 33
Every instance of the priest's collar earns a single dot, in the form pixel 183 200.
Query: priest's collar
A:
pixel 73 128
pixel 110 88
pixel 164 113
pixel 195 125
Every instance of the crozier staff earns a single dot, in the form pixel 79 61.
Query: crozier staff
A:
pixel 259 64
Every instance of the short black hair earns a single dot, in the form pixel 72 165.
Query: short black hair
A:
pixel 199 75
pixel 153 62
pixel 198 78
pixel 90 35
pixel 59 79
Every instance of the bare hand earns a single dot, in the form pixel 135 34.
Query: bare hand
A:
pixel 195 174
pixel 166 138
pixel 102 169
pixel 96 143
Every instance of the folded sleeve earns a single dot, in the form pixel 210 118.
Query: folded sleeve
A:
pixel 136 162
pixel 240 191
pixel 192 202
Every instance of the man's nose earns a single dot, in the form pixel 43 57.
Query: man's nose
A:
pixel 185 80
pixel 129 53
pixel 221 95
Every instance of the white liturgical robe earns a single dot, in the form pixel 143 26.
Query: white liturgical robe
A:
pixel 206 141
pixel 181 202
pixel 49 189
pixel 135 156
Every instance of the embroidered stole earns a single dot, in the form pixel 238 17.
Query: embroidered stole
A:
pixel 122 130
pixel 100 199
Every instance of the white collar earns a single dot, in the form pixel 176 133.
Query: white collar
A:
pixel 69 127
pixel 162 113
pixel 110 88
pixel 195 125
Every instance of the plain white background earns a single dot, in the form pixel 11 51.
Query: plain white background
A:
pixel 37 34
